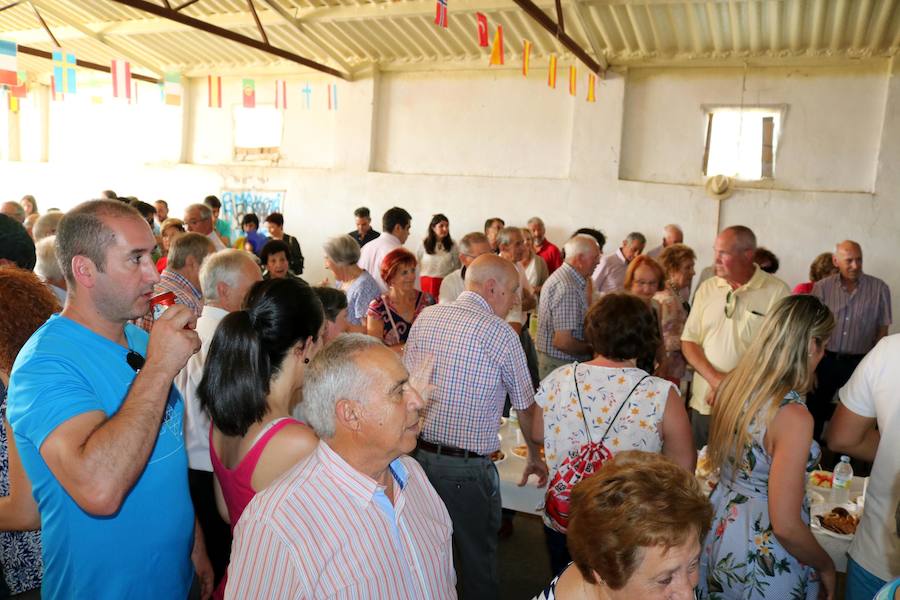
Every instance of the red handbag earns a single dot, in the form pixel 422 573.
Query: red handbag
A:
pixel 579 463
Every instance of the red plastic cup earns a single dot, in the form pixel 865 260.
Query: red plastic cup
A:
pixel 159 304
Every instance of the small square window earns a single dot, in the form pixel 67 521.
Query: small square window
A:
pixel 257 132
pixel 741 142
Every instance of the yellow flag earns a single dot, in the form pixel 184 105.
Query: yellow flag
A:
pixel 551 75
pixel 526 56
pixel 573 80
pixel 497 49
pixel 592 82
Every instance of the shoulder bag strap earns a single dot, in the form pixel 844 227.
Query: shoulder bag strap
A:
pixel 387 309
pixel 627 398
pixel 587 427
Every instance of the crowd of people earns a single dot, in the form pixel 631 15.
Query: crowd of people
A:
pixel 265 438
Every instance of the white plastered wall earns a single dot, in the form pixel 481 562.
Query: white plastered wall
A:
pixel 475 144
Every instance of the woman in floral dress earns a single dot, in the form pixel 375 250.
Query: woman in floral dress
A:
pixel 612 396
pixel 760 545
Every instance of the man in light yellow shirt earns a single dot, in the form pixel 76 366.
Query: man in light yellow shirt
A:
pixel 727 312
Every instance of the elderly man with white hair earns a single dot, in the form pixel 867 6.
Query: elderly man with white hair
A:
pixel 199 219
pixel 358 517
pixel 471 246
pixel 672 234
pixel 542 246
pixel 564 302
pixel 225 278
pixel 477 361
pixel 609 276
pixel 48 269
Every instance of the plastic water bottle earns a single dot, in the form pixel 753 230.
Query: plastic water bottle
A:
pixel 840 484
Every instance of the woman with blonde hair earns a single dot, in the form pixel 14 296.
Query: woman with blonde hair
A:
pixel 761 440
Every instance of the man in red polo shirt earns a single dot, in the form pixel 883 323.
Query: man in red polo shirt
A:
pixel 542 246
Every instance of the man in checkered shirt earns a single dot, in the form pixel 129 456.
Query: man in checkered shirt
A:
pixel 564 302
pixel 477 360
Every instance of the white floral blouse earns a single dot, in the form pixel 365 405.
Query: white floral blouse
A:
pixel 603 390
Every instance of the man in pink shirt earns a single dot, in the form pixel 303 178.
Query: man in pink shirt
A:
pixel 542 246
pixel 358 518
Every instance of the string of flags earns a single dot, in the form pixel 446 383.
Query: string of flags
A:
pixel 498 53
pixel 63 80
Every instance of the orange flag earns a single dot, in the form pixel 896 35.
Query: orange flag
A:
pixel 551 74
pixel 526 56
pixel 573 80
pixel 497 49
pixel 592 83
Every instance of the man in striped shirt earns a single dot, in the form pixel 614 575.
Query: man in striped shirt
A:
pixel 477 360
pixel 358 518
pixel 861 305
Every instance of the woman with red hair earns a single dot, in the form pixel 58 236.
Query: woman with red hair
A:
pixel 391 315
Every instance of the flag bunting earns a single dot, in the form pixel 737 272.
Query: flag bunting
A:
pixel 482 30
pixel 497 49
pixel 249 93
pixel 121 79
pixel 64 71
pixel 214 91
pixel 440 17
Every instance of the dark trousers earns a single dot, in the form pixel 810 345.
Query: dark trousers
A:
pixel 216 532
pixel 470 489
pixel 833 372
pixel 557 549
pixel 699 428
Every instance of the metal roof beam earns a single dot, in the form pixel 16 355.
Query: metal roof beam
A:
pixel 535 12
pixel 314 38
pixel 122 51
pixel 590 34
pixel 84 64
pixel 227 34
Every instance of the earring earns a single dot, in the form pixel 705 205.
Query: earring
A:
pixel 306 361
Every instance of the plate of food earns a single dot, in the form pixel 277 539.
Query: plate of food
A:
pixel 522 451
pixel 821 479
pixel 837 520
pixel 498 457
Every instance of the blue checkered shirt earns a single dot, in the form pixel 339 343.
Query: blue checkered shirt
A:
pixel 562 307
pixel 478 360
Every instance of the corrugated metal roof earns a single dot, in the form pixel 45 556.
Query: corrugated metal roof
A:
pixel 401 34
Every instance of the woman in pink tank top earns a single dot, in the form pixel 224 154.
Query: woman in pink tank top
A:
pixel 251 380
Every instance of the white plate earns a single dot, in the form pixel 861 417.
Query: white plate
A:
pixel 502 460
pixel 826 507
pixel 815 498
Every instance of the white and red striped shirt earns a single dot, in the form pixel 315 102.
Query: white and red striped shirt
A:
pixel 325 530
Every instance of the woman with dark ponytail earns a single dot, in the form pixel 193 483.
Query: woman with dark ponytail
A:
pixel 252 376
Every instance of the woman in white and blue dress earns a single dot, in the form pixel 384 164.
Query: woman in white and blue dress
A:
pixel 761 440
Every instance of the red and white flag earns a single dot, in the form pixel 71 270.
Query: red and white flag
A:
pixel 440 17
pixel 121 79
pixel 482 30
pixel 280 94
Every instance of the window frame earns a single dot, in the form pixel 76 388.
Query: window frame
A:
pixel 767 167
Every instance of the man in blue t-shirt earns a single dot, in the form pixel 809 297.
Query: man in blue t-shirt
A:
pixel 98 423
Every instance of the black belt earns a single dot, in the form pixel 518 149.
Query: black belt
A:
pixel 844 355
pixel 447 450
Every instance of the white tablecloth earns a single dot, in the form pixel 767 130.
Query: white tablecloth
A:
pixel 530 498
pixel 527 498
